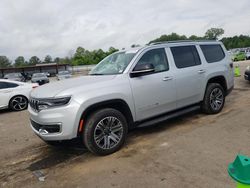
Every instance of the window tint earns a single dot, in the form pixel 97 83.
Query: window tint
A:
pixel 213 53
pixel 11 85
pixel 5 85
pixel 156 57
pixel 185 56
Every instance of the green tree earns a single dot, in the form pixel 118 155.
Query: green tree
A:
pixel 194 37
pixel 241 41
pixel 78 58
pixel 66 60
pixel 57 60
pixel 112 50
pixel 171 37
pixel 214 33
pixel 20 62
pixel 4 62
pixel 48 59
pixel 34 60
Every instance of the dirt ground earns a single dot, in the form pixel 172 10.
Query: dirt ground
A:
pixel 190 151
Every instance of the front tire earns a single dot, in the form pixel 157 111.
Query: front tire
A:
pixel 214 99
pixel 18 103
pixel 105 131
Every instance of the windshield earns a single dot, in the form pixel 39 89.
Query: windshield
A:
pixel 114 64
pixel 14 75
pixel 38 75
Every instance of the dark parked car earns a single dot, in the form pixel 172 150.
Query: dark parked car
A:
pixel 40 78
pixel 248 55
pixel 247 73
pixel 15 77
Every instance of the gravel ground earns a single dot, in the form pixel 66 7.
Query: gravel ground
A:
pixel 190 151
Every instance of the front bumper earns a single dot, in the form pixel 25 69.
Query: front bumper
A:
pixel 60 123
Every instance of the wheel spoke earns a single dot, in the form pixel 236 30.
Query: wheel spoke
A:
pixel 99 138
pixel 101 126
pixel 116 128
pixel 114 137
pixel 111 121
pixel 106 142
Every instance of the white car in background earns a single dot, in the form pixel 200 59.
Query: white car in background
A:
pixel 15 95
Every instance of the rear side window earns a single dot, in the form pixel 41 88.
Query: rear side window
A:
pixel 11 85
pixel 185 56
pixel 5 85
pixel 213 53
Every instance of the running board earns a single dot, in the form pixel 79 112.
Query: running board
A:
pixel 168 116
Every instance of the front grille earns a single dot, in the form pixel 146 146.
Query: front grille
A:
pixel 34 104
pixel 53 128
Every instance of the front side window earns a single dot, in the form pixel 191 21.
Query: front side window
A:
pixel 213 53
pixel 114 64
pixel 156 57
pixel 185 56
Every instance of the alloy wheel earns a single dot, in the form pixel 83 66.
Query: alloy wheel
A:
pixel 19 103
pixel 108 132
pixel 216 99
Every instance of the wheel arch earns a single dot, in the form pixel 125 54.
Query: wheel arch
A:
pixel 220 80
pixel 117 104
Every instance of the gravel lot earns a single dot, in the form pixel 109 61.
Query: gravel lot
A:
pixel 190 151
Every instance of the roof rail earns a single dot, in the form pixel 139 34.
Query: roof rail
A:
pixel 177 41
pixel 174 41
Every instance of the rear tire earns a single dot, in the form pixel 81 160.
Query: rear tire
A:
pixel 18 103
pixel 105 131
pixel 214 99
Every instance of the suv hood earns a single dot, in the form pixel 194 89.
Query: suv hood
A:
pixel 55 88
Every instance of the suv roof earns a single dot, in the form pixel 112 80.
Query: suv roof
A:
pixel 166 43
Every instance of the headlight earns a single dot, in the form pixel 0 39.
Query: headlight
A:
pixel 41 104
pixel 248 68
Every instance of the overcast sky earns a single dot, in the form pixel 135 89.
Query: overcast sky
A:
pixel 58 27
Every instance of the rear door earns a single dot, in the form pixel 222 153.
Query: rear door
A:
pixel 154 93
pixel 190 74
pixel 5 93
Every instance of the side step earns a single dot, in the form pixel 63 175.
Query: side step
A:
pixel 168 116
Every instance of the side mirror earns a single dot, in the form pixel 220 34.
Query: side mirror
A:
pixel 141 70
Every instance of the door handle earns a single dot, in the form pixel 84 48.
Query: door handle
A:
pixel 201 71
pixel 168 78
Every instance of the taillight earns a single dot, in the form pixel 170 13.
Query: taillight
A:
pixel 231 65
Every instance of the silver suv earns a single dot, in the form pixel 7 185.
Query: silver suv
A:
pixel 133 88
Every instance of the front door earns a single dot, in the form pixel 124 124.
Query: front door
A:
pixel 154 93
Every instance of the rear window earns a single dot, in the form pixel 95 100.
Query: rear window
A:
pixel 185 56
pixel 213 53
